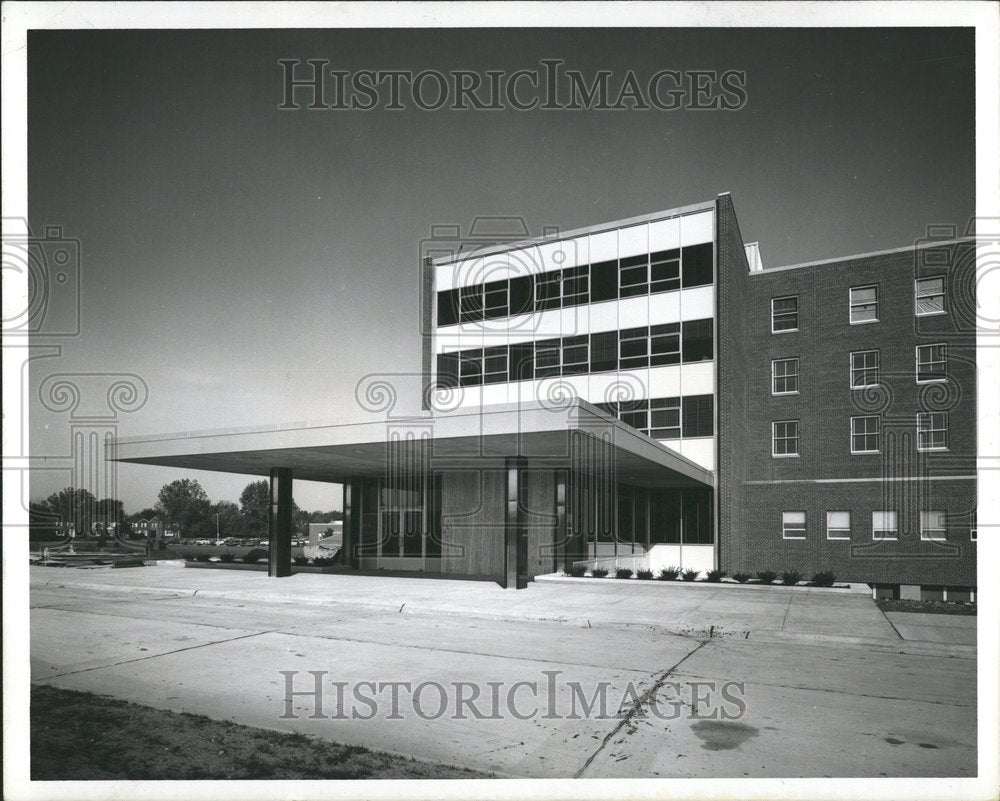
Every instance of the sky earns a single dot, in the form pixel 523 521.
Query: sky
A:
pixel 252 264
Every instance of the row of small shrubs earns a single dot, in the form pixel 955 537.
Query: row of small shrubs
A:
pixel 789 577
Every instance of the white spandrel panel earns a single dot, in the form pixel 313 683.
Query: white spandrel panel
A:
pixel 698 228
pixel 633 312
pixel 698 378
pixel 631 385
pixel 496 267
pixel 468 272
pixel 573 386
pixel 444 277
pixel 577 251
pixel 493 394
pixel 547 324
pixel 604 246
pixel 551 256
pixel 633 241
pixel 525 261
pixel 697 303
pixel 556 390
pixel 604 316
pixel 700 451
pixel 575 320
pixel 664 234
pixel 665 381
pixel 601 387
pixel 665 307
pixel 446 343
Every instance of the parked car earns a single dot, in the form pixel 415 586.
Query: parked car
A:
pixel 264 543
pixel 232 541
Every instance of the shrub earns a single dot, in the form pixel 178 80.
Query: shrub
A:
pixel 791 577
pixel 644 575
pixel 576 571
pixel 189 556
pixel 599 572
pixel 227 557
pixel 623 572
pixel 690 574
pixel 715 576
pixel 301 560
pixel 324 561
pixel 202 557
pixel 253 556
pixel 824 579
pixel 742 578
pixel 163 545
pixel 766 576
pixel 669 573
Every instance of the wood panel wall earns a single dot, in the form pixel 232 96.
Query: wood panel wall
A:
pixel 472 522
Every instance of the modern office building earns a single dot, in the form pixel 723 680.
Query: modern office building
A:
pixel 644 393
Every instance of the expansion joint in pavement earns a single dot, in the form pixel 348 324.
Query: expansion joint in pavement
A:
pixel 637 706
pixel 155 656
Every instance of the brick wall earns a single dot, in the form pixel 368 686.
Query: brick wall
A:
pixel 825 404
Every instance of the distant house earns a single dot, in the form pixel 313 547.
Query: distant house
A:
pixel 155 527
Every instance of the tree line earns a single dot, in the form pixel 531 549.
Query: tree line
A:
pixel 182 505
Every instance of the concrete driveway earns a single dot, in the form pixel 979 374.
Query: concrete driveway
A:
pixel 677 705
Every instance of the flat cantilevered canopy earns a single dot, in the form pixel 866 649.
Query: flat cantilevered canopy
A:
pixel 559 435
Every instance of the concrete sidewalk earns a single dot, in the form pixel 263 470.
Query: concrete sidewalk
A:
pixel 775 615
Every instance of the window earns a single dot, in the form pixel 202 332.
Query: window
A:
pixel 932 363
pixel 696 340
pixel 447 370
pixel 495 294
pixel 603 281
pixel 932 431
pixel 974 526
pixel 575 286
pixel 865 434
pixel 864 369
pixel 633 348
pixel 495 365
pixel 547 357
pixel 784 376
pixel 634 413
pixel 471 368
pixel 928 296
pixel 696 265
pixel 785 314
pixel 785 438
pixel 699 416
pixel 575 355
pixel 604 351
pixel 448 307
pixel 932 526
pixel 884 526
pixel 838 525
pixel 520 296
pixel 548 290
pixel 471 303
pixel 664 344
pixel 665 418
pixel 521 361
pixel 864 304
pixel 633 276
pixel 793 525
pixel 665 271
